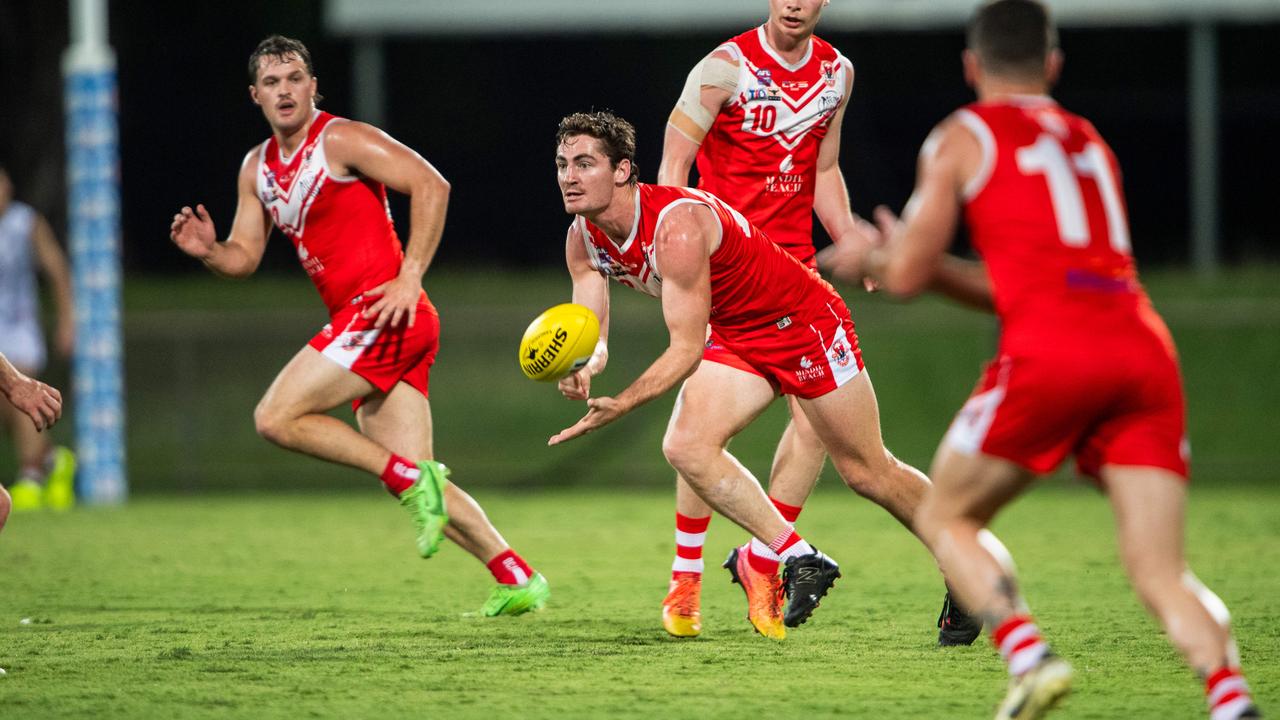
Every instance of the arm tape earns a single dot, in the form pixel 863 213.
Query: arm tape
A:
pixel 690 116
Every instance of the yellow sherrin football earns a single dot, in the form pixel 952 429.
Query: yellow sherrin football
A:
pixel 558 342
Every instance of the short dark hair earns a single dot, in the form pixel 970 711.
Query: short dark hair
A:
pixel 279 47
pixel 617 136
pixel 1013 37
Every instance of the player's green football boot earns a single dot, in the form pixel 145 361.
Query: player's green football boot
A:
pixel 517 599
pixel 60 484
pixel 26 495
pixel 425 503
pixel 1036 691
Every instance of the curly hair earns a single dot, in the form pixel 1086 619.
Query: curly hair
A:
pixel 617 136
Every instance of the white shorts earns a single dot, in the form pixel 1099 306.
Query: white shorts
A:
pixel 23 344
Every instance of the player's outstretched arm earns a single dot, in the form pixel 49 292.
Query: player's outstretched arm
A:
pixel 682 249
pixel 53 263
pixel 40 402
pixel 591 290
pixel 706 90
pixel 356 148
pixel 194 233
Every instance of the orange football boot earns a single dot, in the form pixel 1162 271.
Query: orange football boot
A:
pixel 680 610
pixel 764 594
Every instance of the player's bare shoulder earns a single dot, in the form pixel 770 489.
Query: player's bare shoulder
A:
pixel 956 147
pixel 688 223
pixel 247 178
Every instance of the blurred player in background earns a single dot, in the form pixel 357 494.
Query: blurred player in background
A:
pixel 46 473
pixel 709 266
pixel 34 403
pixel 761 116
pixel 322 180
pixel 1085 366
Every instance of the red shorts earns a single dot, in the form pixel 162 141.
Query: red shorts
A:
pixel 808 353
pixel 383 356
pixel 1105 408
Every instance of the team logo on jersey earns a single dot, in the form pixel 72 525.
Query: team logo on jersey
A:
pixel 768 94
pixel 840 354
pixel 784 184
pixel 828 73
pixel 609 266
pixel 311 264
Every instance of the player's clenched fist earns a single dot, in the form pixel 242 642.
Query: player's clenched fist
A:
pixel 38 401
pixel 192 231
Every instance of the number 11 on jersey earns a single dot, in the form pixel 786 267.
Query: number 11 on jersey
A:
pixel 1063 173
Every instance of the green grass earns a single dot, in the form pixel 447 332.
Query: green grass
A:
pixel 295 606
pixel 208 597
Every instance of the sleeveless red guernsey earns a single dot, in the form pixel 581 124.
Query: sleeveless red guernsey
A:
pixel 761 155
pixel 754 282
pixel 1086 367
pixel 340 225
pixel 1047 214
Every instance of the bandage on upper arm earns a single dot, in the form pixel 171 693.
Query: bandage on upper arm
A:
pixel 690 116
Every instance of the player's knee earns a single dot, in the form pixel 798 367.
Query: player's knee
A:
pixel 270 423
pixel 686 454
pixel 865 478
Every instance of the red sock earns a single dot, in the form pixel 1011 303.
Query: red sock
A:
pixel 691 533
pixel 509 568
pixel 1019 642
pixel 790 513
pixel 399 475
pixel 1227 694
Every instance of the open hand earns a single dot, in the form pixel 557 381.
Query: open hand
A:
pixel 601 411
pixel 193 232
pixel 397 300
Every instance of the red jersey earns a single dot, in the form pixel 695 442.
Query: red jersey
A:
pixel 1047 214
pixel 754 283
pixel 761 155
pixel 340 225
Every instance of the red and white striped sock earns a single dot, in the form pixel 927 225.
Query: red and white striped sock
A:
pixel 1019 642
pixel 789 544
pixel 790 513
pixel 691 534
pixel 766 558
pixel 1227 694
pixel 509 568
pixel 399 475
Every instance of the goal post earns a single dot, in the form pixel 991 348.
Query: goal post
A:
pixel 93 204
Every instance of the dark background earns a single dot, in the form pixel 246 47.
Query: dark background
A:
pixel 484 111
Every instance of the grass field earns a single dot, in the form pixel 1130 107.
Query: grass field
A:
pixel 244 581
pixel 291 606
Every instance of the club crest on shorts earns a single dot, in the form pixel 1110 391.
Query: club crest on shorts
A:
pixel 840 354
